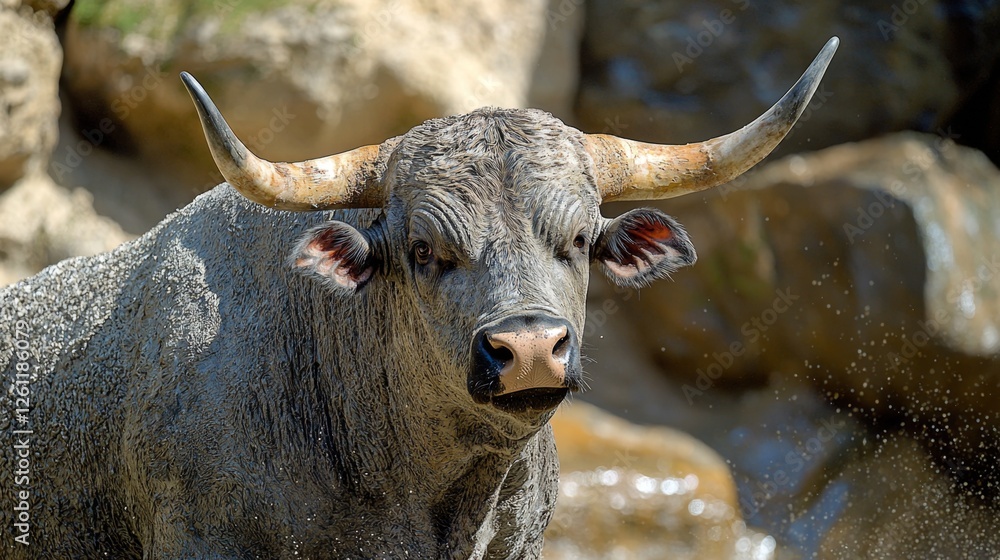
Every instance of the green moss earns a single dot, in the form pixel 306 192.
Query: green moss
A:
pixel 233 12
pixel 163 19
pixel 124 16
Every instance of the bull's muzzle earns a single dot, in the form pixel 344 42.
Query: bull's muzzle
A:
pixel 525 361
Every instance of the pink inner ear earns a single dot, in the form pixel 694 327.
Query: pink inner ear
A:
pixel 325 256
pixel 624 271
pixel 642 244
pixel 653 232
pixel 647 239
pixel 311 255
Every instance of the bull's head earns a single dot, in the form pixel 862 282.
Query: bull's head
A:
pixel 491 220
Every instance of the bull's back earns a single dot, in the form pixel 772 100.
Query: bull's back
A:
pixel 63 384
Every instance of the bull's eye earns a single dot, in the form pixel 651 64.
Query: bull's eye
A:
pixel 422 253
pixel 580 241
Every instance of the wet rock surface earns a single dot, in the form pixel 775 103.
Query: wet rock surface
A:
pixel 627 491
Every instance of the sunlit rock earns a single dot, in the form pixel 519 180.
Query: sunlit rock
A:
pixel 300 79
pixel 868 269
pixel 634 492
pixel 30 57
pixel 42 223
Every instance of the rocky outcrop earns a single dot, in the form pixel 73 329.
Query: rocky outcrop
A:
pixel 42 223
pixel 298 79
pixel 30 59
pixel 868 269
pixel 685 71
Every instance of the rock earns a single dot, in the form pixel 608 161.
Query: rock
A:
pixel 50 7
pixel 868 270
pixel 133 194
pixel 299 79
pixel 30 58
pixel 820 479
pixel 679 72
pixel 42 223
pixel 899 504
pixel 632 492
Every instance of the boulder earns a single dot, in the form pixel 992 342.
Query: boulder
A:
pixel 867 269
pixel 42 223
pixel 299 79
pixel 895 502
pixel 30 58
pixel 679 72
pixel 627 491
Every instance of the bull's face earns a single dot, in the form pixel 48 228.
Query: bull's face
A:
pixel 491 224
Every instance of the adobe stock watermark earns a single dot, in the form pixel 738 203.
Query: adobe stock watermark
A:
pixel 281 117
pixel 795 461
pixel 899 16
pixel 74 154
pixel 819 99
pixel 20 392
pixel 913 168
pixel 752 330
pixel 614 126
pixel 597 316
pixel 223 7
pixel 562 12
pixel 712 29
pixel 960 296
pixel 482 93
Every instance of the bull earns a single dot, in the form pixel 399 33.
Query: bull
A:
pixel 384 395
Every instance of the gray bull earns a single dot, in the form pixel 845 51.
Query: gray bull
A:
pixel 189 396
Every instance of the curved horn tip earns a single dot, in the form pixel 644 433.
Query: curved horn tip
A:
pixel 222 142
pixel 206 107
pixel 801 93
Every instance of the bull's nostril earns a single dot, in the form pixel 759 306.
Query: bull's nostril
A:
pixel 562 345
pixel 499 352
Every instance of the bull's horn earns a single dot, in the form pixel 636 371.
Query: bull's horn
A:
pixel 628 170
pixel 348 180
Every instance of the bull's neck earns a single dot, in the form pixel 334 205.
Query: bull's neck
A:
pixel 394 420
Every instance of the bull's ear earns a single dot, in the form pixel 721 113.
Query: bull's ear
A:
pixel 641 246
pixel 336 251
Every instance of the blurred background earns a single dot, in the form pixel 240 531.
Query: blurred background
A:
pixel 823 383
